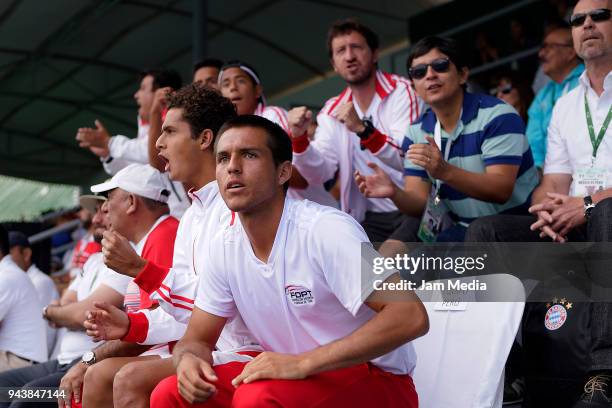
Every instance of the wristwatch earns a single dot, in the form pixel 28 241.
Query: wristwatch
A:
pixel 369 129
pixel 89 358
pixel 588 207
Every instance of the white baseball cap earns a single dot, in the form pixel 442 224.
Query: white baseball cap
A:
pixel 139 179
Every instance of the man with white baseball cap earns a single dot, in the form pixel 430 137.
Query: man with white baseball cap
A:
pixel 139 179
pixel 137 217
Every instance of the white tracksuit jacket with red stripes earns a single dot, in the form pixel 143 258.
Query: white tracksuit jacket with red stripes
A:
pixel 394 107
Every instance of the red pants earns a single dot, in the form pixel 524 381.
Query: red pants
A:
pixel 360 386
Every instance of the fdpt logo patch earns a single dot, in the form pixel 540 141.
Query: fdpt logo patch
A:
pixel 556 315
pixel 299 295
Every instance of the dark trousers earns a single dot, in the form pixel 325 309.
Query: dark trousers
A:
pixel 515 228
pixel 380 225
pixel 48 374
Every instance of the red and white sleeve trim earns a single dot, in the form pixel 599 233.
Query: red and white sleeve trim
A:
pixel 175 300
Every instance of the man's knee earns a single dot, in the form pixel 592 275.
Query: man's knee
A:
pixel 128 384
pixel 165 393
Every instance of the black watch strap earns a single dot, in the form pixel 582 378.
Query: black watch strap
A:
pixel 369 129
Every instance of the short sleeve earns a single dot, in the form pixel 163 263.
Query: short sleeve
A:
pixel 504 140
pixel 346 260
pixel 414 135
pixel 214 294
pixel 557 159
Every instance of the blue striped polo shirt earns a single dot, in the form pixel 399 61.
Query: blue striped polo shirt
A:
pixel 490 132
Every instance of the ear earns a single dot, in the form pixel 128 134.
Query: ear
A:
pixel 375 56
pixel 464 73
pixel 258 90
pixel 27 254
pixel 284 172
pixel 133 204
pixel 206 139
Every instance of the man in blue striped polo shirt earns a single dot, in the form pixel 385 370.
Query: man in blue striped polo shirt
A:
pixel 468 153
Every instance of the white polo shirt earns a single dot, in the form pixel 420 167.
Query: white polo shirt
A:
pixel 569 146
pixel 308 294
pixel 74 343
pixel 22 328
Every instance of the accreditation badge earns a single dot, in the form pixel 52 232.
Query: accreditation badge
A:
pixel 589 180
pixel 435 219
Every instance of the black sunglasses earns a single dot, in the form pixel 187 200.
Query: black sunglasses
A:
pixel 439 65
pixel 597 16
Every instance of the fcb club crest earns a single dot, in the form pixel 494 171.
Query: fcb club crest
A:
pixel 557 312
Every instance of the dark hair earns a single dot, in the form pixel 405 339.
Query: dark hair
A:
pixel 446 46
pixel 347 26
pixel 163 78
pixel 203 108
pixel 278 140
pixel 522 86
pixel 4 241
pixel 238 64
pixel 208 62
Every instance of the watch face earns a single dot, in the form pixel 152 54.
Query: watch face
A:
pixel 88 357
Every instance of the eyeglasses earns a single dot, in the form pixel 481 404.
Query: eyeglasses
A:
pixel 439 65
pixel 554 45
pixel 506 89
pixel 597 15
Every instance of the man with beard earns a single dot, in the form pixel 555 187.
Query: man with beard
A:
pixel 374 103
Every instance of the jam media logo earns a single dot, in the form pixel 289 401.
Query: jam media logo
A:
pixel 299 295
pixel 556 315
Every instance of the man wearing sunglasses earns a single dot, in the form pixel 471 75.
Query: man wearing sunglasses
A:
pixel 375 105
pixel 467 157
pixel 574 199
pixel 560 62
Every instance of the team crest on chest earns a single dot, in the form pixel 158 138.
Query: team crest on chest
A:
pixel 557 313
pixel 299 295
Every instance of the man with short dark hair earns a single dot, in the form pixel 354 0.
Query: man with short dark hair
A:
pixel 467 157
pixel 21 253
pixel 119 151
pixel 207 71
pixel 374 103
pixel 560 62
pixel 340 344
pixel 22 330
pixel 195 115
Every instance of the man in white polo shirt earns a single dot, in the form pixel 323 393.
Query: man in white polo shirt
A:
pixel 194 117
pixel 22 329
pixel 21 253
pixel 292 270
pixel 574 200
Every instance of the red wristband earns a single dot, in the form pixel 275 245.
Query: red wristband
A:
pixel 300 143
